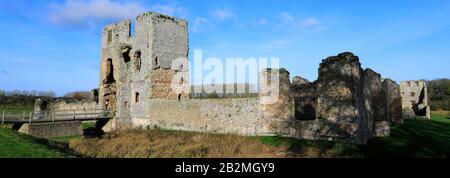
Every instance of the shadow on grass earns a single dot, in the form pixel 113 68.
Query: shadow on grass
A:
pixel 415 138
pixel 313 148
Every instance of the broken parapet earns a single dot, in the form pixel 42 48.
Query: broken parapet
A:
pixel 415 99
pixel 345 103
pixel 340 97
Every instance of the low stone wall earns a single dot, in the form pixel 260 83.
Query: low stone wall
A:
pixel 72 105
pixel 48 130
pixel 238 116
pixel 45 109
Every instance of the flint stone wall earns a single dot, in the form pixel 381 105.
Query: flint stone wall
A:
pixel 238 116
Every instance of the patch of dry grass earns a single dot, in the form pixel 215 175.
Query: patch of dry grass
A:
pixel 440 112
pixel 168 144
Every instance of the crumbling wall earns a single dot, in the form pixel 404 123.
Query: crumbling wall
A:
pixel 376 98
pixel 415 99
pixel 115 42
pixel 276 100
pixel 345 103
pixel 43 108
pixel 136 69
pixel 340 101
pixel 393 101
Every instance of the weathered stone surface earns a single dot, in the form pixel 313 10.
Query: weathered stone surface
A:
pixel 48 130
pixel 393 101
pixel 299 81
pixel 275 94
pixel 377 111
pixel 415 99
pixel 136 69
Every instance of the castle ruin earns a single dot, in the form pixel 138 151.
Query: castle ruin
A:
pixel 415 99
pixel 346 103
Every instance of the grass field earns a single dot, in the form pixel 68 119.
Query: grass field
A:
pixel 17 108
pixel 15 145
pixel 415 138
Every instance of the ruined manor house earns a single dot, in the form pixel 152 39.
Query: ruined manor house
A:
pixel 346 103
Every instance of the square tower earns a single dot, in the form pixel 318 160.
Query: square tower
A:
pixel 144 66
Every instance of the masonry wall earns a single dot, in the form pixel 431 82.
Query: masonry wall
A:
pixel 239 116
pixel 415 99
pixel 44 109
pixel 393 101
pixel 48 130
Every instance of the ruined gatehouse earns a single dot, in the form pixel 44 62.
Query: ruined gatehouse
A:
pixel 346 102
pixel 415 99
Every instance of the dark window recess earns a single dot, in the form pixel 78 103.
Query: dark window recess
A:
pixel 137 61
pixel 156 61
pixel 126 54
pixel 413 94
pixel 109 36
pixel 181 80
pixel 179 97
pixel 109 72
pixel 136 98
pixel 305 111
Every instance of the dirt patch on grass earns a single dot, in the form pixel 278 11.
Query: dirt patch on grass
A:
pixel 168 144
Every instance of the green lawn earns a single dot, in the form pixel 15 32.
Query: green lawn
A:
pixel 17 107
pixel 15 145
pixel 415 138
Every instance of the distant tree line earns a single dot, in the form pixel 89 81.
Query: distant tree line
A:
pixel 22 100
pixel 78 95
pixel 32 93
pixel 439 94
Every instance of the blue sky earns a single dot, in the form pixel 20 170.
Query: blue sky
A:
pixel 55 45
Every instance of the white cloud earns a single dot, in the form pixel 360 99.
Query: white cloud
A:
pixel 199 24
pixel 262 21
pixel 286 18
pixel 310 22
pixel 90 12
pixel 170 9
pixel 223 14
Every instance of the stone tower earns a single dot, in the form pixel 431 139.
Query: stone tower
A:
pixel 137 68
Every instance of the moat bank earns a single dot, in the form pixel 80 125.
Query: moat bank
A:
pixel 416 138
